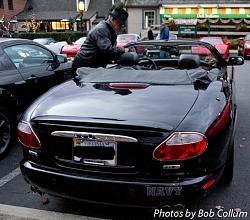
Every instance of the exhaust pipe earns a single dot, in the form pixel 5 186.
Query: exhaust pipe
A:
pixel 45 198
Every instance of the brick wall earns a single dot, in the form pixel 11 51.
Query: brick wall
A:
pixel 18 6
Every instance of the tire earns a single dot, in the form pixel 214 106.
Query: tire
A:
pixel 227 175
pixel 6 131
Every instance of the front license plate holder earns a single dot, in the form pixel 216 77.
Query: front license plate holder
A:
pixel 94 152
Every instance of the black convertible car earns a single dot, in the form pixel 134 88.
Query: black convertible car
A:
pixel 157 126
pixel 27 69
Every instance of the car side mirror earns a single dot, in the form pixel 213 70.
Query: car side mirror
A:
pixel 235 61
pixel 61 58
pixel 58 59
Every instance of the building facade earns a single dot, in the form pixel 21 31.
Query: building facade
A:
pixel 8 10
pixel 199 17
pixel 63 15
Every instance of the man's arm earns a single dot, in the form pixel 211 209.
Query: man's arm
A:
pixel 104 44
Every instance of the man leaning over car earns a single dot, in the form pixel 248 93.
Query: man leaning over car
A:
pixel 100 44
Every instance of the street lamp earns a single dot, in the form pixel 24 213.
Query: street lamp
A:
pixel 81 8
pixel 14 24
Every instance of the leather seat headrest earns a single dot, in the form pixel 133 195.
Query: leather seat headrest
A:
pixel 129 59
pixel 189 61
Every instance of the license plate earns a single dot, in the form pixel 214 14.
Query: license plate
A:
pixel 92 152
pixel 78 142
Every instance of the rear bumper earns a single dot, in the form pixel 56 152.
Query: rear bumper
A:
pixel 133 193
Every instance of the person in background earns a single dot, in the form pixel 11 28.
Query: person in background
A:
pixel 150 34
pixel 241 46
pixel 2 31
pixel 164 32
pixel 100 45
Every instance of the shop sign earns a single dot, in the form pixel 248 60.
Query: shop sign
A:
pixel 187 30
pixel 207 16
pixel 180 21
pixel 195 16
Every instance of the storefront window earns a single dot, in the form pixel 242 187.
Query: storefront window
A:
pixel 149 18
pixel 1 4
pixel 10 4
pixel 57 25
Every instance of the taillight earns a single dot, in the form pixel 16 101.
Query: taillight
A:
pixel 27 136
pixel 221 122
pixel 181 146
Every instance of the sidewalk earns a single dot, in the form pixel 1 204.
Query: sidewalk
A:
pixel 8 212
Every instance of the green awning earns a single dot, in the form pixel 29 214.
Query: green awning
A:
pixel 193 13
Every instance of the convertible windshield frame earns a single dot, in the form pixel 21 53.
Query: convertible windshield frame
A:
pixel 178 43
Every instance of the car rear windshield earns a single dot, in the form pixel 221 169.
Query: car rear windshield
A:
pixel 212 40
pixel 42 41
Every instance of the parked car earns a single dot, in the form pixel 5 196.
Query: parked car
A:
pixel 45 41
pixel 52 44
pixel 72 49
pixel 123 39
pixel 244 46
pixel 27 69
pixel 222 44
pixel 162 128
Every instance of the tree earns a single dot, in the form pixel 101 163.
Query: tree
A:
pixel 33 24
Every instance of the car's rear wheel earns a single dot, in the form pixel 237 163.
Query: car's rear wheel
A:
pixel 227 175
pixel 6 131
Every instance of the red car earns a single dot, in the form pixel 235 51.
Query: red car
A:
pixel 71 49
pixel 220 43
pixel 123 39
pixel 244 46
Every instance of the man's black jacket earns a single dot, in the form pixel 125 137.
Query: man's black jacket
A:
pixel 99 46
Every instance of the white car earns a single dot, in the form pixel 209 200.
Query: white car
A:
pixel 52 44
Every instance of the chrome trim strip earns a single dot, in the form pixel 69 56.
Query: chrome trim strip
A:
pixel 171 167
pixel 33 153
pixel 94 136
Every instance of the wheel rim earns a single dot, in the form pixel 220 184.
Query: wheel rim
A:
pixel 5 133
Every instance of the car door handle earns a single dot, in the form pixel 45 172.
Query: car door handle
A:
pixel 32 78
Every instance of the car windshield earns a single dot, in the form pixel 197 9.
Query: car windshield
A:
pixel 126 37
pixel 172 52
pixel 80 40
pixel 212 40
